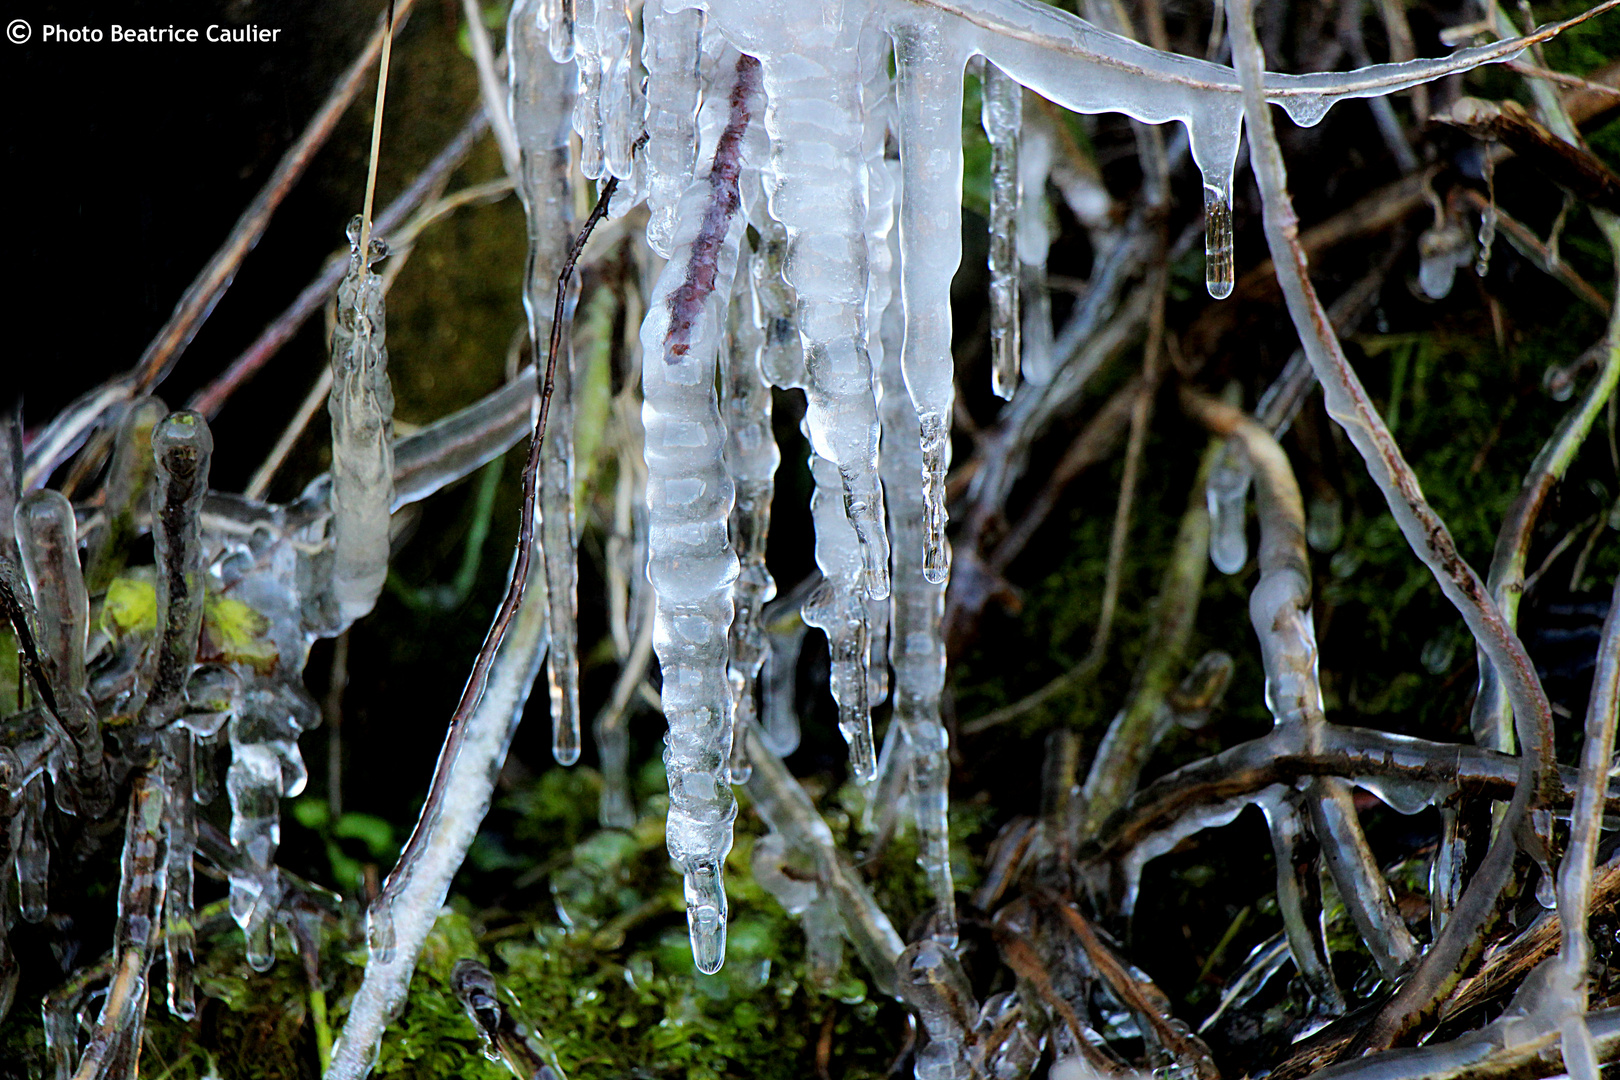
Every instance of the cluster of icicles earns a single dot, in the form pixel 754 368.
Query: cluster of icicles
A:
pixel 801 165
pixel 808 203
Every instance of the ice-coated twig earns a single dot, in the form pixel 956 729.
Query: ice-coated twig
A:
pixel 1492 717
pixel 690 560
pixel 1586 828
pixel 31 852
pixel 140 898
pixel 932 982
pixel 1003 120
pixel 1280 609
pixel 362 408
pixel 48 543
pixel 463 784
pixel 783 804
pixel 479 994
pixel 1299 895
pixel 542 99
pixel 1347 402
pixel 791 877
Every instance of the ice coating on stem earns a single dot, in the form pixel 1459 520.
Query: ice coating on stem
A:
pixel 182 448
pixel 1299 896
pixel 128 477
pixel 48 544
pixel 451 818
pixel 362 408
pixel 179 848
pixel 929 53
pixel 1227 492
pixel 1003 118
pixel 541 97
pixel 691 563
pixel 916 642
pixel 932 982
pixel 751 458
pixel 817 186
pixel 837 608
pixel 791 879
pixel 672 53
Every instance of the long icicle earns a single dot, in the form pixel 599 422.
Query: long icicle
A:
pixel 690 560
pixel 542 98
pixel 1002 116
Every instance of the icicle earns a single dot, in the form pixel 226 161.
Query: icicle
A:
pixel 672 53
pixel 542 96
pixel 1003 120
pixel 838 609
pixel 781 360
pixel 1228 493
pixel 48 544
pixel 916 642
pixel 254 786
pixel 932 983
pixel 556 18
pixel 31 852
pixel 1220 272
pixel 1299 896
pixel 621 122
pixel 929 55
pixel 362 408
pixel 588 106
pixel 692 566
pixel 751 459
pixel 1034 243
pixel 817 187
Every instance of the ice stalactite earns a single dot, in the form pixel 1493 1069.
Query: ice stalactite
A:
pixel 542 93
pixel 177 761
pixel 1034 241
pixel 837 608
pixel 817 188
pixel 916 644
pixel 619 102
pixel 362 408
pixel 588 104
pixel 751 458
pixel 690 559
pixel 672 53
pixel 48 543
pixel 1003 118
pixel 929 52
pixel 265 765
pixel 781 359
pixel 556 18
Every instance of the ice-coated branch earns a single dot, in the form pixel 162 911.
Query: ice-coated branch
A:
pixel 463 784
pixel 691 563
pixel 1349 405
pixel 542 98
pixel 48 543
pixel 782 802
pixel 129 477
pixel 182 448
